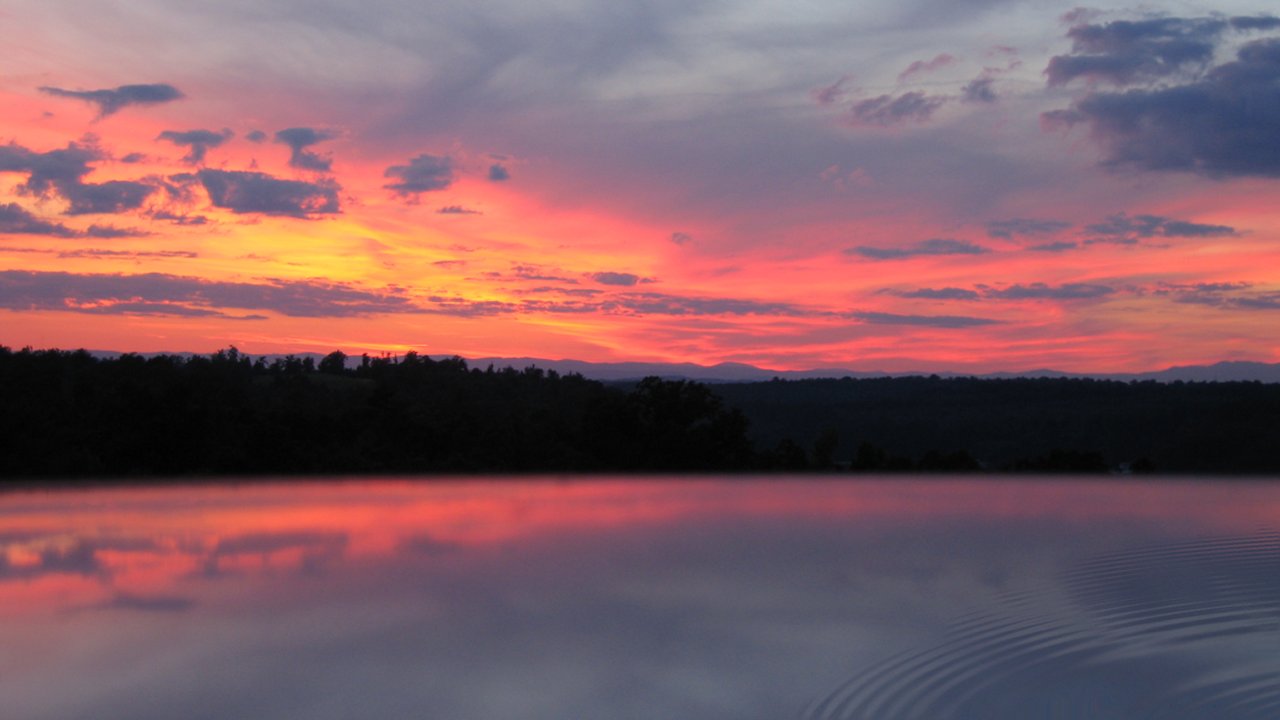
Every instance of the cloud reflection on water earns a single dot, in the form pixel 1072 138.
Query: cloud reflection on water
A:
pixel 625 599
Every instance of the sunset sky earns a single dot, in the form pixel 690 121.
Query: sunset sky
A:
pixel 968 185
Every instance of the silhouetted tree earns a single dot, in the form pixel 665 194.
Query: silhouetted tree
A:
pixel 335 363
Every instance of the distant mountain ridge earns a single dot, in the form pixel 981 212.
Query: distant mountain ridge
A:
pixel 1225 371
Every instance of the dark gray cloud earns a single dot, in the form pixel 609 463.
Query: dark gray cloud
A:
pixel 533 272
pixel 1042 291
pixel 935 321
pixel 17 220
pixel 1128 51
pixel 663 304
pixel 631 303
pixel 61 172
pixel 545 289
pixel 681 238
pixel 889 110
pixel 947 293
pixel 498 173
pixel 1220 123
pixel 198 142
pixel 466 307
pixel 1128 229
pixel 457 210
pixel 1257 22
pixel 98 253
pixel 1222 295
pixel 1031 227
pixel 1205 287
pixel 1031 291
pixel 110 101
pixel 299 139
pixel 935 246
pixel 423 173
pixel 177 219
pixel 48 171
pixel 979 90
pixel 1059 246
pixel 112 231
pixel 111 197
pixel 163 294
pixel 1259 301
pixel 255 136
pixel 255 192
pixel 617 278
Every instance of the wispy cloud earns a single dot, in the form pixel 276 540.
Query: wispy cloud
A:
pixel 935 246
pixel 1130 228
pixel 111 101
pixel 885 110
pixel 935 321
pixel 163 294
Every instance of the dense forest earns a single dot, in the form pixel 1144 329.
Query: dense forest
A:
pixel 71 414
pixel 1041 424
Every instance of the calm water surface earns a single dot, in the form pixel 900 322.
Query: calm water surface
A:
pixel 697 599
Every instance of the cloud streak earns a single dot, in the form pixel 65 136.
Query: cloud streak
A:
pixel 886 110
pixel 113 100
pixel 924 248
pixel 1128 229
pixel 163 294
pixel 933 321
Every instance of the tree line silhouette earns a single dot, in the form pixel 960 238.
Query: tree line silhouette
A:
pixel 71 414
pixel 1021 424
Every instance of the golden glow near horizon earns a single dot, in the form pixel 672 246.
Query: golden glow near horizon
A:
pixel 581 183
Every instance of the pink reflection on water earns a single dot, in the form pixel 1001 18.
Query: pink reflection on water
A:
pixel 83 548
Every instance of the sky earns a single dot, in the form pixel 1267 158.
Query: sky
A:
pixel 961 185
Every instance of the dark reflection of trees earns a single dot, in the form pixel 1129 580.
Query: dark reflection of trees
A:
pixel 71 414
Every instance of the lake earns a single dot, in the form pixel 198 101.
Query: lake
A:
pixel 662 598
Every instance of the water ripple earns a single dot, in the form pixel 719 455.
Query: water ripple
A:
pixel 1182 630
